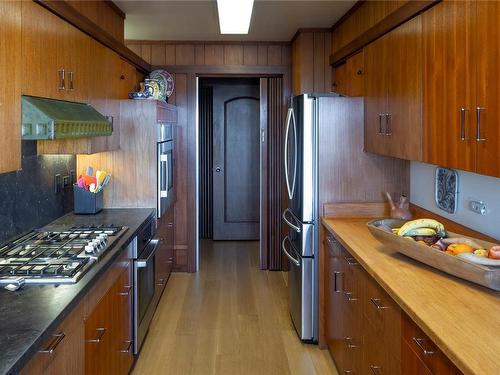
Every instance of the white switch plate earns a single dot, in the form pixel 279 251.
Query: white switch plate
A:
pixel 478 207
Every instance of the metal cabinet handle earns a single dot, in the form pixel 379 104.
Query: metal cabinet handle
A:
pixel 348 342
pixel 161 282
pixel 388 130
pixel 349 297
pixel 375 369
pixel 478 124
pixel 376 303
pixel 347 371
pixel 70 88
pixel 62 83
pixel 170 225
pixel 351 261
pixel 101 331
pixel 380 132
pixel 336 289
pixel 54 343
pixel 128 288
pixel 463 136
pixel 419 342
pixel 128 347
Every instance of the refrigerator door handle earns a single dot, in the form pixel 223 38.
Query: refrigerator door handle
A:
pixel 290 117
pixel 283 247
pixel 296 228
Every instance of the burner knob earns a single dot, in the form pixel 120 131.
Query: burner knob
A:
pixel 89 248
pixel 97 243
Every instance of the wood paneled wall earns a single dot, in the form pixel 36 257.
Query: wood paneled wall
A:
pixel 206 161
pixel 206 53
pixel 368 14
pixel 311 70
pixel 275 176
pixel 103 13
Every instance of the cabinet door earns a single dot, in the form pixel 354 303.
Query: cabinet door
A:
pixel 42 38
pixel 64 352
pixel 375 99
pixel 404 72
pixel 448 92
pixel 411 363
pixel 348 78
pixel 123 342
pixel 98 338
pixel 10 91
pixel 487 132
pixel 334 302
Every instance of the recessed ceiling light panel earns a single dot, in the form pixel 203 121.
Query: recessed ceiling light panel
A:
pixel 234 16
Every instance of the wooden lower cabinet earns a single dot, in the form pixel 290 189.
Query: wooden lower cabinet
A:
pixel 164 259
pixel 64 352
pixel 419 352
pixel 108 334
pixel 366 331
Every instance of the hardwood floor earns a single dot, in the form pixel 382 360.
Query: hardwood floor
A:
pixel 229 318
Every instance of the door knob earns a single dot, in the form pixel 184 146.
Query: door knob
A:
pixel 217 169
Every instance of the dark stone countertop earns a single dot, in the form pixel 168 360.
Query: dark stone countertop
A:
pixel 30 315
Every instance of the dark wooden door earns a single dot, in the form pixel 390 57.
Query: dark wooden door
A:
pixel 236 168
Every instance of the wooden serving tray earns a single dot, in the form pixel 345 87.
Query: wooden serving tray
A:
pixel 488 276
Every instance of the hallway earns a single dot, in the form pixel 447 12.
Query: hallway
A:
pixel 229 318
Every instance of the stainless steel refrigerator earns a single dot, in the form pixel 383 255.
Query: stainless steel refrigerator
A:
pixel 302 214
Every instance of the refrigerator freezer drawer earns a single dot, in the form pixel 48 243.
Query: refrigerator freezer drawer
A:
pixel 300 291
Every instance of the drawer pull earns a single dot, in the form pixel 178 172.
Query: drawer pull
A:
pixel 376 369
pixel 351 261
pixel 128 288
pixel 54 343
pixel 348 342
pixel 349 296
pixel 128 347
pixel 336 288
pixel 98 339
pixel 71 87
pixel 348 371
pixel 419 343
pixel 161 282
pixel 376 303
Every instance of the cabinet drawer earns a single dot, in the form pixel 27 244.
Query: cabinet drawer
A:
pixel 425 349
pixel 63 353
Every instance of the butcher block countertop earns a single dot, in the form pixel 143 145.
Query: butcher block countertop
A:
pixel 461 318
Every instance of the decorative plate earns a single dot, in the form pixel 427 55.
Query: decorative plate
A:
pixel 447 189
pixel 166 81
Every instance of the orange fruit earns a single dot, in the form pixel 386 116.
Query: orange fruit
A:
pixel 458 248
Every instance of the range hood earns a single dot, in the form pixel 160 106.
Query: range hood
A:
pixel 44 118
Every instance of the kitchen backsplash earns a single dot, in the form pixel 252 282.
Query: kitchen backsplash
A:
pixel 471 186
pixel 27 196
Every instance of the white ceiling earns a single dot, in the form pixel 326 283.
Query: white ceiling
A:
pixel 272 20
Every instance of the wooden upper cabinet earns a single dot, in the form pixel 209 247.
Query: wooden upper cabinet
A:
pixel 393 93
pixel 404 122
pixel 375 96
pixel 311 70
pixel 348 77
pixel 448 92
pixel 10 91
pixel 462 86
pixel 487 106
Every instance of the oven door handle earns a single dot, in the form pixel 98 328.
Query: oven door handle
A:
pixel 143 261
pixel 164 173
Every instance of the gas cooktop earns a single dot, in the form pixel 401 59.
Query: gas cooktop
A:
pixel 58 255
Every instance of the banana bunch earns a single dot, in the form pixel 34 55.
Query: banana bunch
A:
pixel 422 227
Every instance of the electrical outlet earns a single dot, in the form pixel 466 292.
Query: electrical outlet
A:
pixel 65 181
pixel 57 183
pixel 478 207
